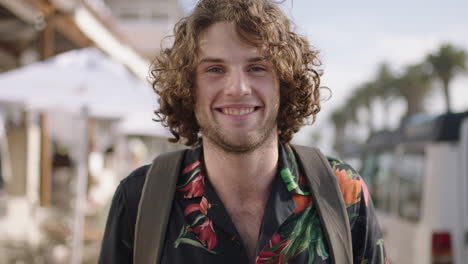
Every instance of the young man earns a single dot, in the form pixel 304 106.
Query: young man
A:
pixel 236 85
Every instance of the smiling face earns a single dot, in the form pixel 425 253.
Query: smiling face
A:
pixel 237 92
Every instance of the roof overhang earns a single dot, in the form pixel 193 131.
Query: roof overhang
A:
pixel 92 27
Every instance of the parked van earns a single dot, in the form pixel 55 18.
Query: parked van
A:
pixel 418 178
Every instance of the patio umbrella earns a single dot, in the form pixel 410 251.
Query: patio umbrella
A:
pixel 78 79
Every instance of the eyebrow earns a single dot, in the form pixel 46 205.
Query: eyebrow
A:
pixel 219 60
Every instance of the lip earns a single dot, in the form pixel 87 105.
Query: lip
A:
pixel 236 106
pixel 237 117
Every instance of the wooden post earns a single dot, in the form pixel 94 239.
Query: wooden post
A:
pixel 48 40
pixel 92 130
pixel 46 163
pixel 17 147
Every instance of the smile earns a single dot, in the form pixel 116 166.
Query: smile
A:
pixel 237 111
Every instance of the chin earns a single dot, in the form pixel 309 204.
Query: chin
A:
pixel 239 144
pixel 238 148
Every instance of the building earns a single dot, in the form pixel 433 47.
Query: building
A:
pixel 145 23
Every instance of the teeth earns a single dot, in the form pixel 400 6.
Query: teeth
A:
pixel 238 111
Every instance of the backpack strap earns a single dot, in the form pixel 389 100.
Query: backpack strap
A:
pixel 155 206
pixel 328 200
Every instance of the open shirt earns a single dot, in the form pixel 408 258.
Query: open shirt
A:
pixel 200 229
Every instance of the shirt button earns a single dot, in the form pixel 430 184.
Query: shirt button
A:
pixel 237 244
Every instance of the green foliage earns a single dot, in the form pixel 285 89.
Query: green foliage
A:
pixel 413 85
pixel 446 63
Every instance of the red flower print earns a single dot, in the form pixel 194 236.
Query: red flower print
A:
pixel 205 234
pixel 191 167
pixel 302 180
pixel 302 202
pixel 195 188
pixel 202 207
pixel 271 254
pixel 349 187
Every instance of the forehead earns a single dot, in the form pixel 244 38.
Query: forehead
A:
pixel 221 40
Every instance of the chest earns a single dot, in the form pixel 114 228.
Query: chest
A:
pixel 247 220
pixel 228 235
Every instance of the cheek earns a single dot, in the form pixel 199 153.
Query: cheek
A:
pixel 203 100
pixel 207 92
pixel 203 87
pixel 270 90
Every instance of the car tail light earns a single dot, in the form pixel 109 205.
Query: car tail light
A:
pixel 441 248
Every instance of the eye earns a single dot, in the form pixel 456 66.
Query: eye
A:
pixel 257 68
pixel 215 70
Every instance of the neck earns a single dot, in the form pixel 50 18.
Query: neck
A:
pixel 245 177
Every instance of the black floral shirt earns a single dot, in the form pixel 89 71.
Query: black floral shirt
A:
pixel 201 231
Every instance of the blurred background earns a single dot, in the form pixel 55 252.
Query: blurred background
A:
pixel 76 116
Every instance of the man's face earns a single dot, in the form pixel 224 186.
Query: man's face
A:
pixel 237 92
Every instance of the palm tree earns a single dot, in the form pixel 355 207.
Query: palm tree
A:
pixel 362 98
pixel 385 83
pixel 340 119
pixel 414 86
pixel 446 63
pixel 385 86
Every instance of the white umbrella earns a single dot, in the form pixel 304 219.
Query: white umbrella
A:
pixel 77 79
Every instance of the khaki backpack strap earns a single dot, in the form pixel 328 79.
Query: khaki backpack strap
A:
pixel 329 202
pixel 155 206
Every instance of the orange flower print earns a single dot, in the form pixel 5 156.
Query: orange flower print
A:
pixel 302 202
pixel 349 187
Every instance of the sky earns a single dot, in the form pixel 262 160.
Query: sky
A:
pixel 354 37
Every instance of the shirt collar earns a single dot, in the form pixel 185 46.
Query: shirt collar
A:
pixel 192 179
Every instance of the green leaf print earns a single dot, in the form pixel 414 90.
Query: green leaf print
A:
pixel 301 237
pixel 288 178
pixel 195 173
pixel 335 163
pixel 273 248
pixel 197 219
pixel 352 174
pixel 311 255
pixel 288 226
pixel 182 233
pixel 290 181
pixel 182 239
pixel 381 247
pixel 304 232
pixel 192 242
pixel 321 251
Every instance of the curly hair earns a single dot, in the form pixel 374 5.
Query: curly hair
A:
pixel 260 23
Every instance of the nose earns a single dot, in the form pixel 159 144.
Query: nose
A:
pixel 238 84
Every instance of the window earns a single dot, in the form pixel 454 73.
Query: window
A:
pixel 377 172
pixel 410 170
